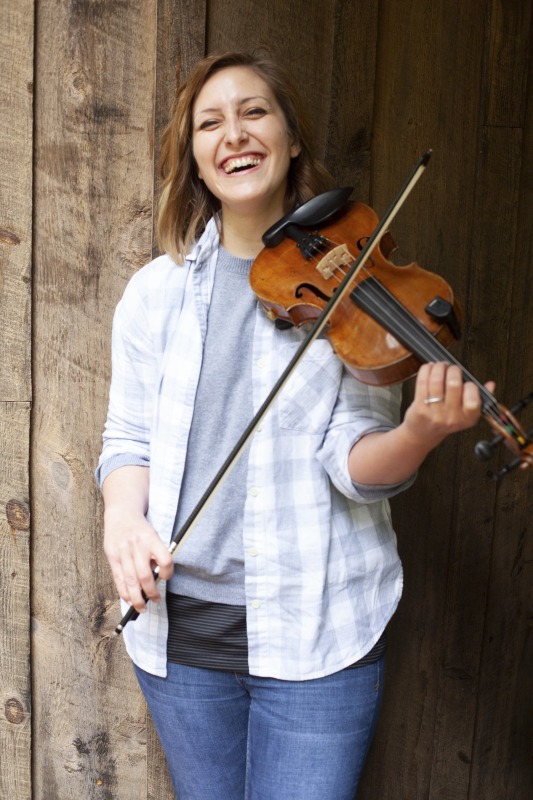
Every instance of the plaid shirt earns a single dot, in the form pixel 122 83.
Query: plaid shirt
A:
pixel 322 573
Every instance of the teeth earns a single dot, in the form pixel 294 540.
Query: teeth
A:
pixel 240 163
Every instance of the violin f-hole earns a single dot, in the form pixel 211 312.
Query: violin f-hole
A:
pixel 299 291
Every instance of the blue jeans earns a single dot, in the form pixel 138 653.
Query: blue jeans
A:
pixel 233 736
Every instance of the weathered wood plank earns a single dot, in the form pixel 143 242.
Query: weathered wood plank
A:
pixel 509 48
pixel 422 103
pixel 469 575
pixel 181 29
pixel 16 129
pixel 348 115
pixel 16 135
pixel 15 682
pixel 504 721
pixel 482 560
pixel 93 205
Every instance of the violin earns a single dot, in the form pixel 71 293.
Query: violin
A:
pixel 391 318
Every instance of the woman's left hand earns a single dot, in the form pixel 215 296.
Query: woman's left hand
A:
pixel 443 403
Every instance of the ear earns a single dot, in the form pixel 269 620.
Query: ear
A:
pixel 196 168
pixel 296 149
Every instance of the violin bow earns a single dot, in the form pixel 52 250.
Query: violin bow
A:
pixel 178 539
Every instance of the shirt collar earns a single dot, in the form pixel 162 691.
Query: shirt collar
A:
pixel 206 245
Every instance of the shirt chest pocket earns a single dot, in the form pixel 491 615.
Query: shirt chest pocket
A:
pixel 307 400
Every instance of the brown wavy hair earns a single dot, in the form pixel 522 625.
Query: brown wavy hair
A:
pixel 186 205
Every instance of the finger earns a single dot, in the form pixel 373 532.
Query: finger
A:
pixel 145 576
pixel 162 557
pixel 453 391
pixel 153 554
pixel 436 385
pixel 471 398
pixel 421 385
pixel 130 588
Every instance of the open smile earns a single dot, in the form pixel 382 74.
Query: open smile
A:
pixel 241 163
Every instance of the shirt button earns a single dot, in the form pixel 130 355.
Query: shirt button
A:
pixel 252 551
pixel 254 491
pixel 261 363
pixel 256 603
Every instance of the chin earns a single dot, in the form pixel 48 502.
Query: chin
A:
pixel 255 202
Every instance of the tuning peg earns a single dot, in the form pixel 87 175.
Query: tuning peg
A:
pixel 484 449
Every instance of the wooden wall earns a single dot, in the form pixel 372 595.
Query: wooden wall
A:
pixel 85 87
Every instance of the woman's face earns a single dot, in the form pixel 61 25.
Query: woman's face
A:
pixel 241 144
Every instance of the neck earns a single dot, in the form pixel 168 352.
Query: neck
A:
pixel 241 233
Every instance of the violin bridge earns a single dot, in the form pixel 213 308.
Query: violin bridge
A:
pixel 338 258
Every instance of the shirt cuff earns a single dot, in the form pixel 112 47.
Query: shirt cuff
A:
pixel 369 493
pixel 117 461
pixel 382 492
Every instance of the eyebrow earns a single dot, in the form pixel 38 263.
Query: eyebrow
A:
pixel 240 103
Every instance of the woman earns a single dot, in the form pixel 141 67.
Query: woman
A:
pixel 261 654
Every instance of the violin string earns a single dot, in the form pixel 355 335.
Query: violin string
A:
pixel 377 301
pixel 416 337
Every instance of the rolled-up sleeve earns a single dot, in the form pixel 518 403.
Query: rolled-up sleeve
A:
pixel 359 410
pixel 126 437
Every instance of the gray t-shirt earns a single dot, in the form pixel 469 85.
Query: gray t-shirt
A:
pixel 210 565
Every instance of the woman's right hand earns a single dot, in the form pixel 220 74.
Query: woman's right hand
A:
pixel 132 546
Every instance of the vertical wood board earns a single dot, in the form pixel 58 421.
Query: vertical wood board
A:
pixel 16 136
pixel 475 573
pixel 505 703
pixel 93 207
pixel 15 681
pixel 16 114
pixel 508 51
pixel 469 572
pixel 348 115
pixel 421 103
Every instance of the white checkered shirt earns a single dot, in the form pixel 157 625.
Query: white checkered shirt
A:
pixel 322 573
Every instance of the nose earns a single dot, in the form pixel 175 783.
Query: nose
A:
pixel 235 132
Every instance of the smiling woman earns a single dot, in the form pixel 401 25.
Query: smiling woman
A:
pixel 187 203
pixel 261 652
pixel 243 149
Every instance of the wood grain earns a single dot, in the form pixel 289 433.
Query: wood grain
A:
pixel 93 230
pixel 15 679
pixel 16 136
pixel 383 82
pixel 462 223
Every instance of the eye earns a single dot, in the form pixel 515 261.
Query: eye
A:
pixel 208 124
pixel 255 112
